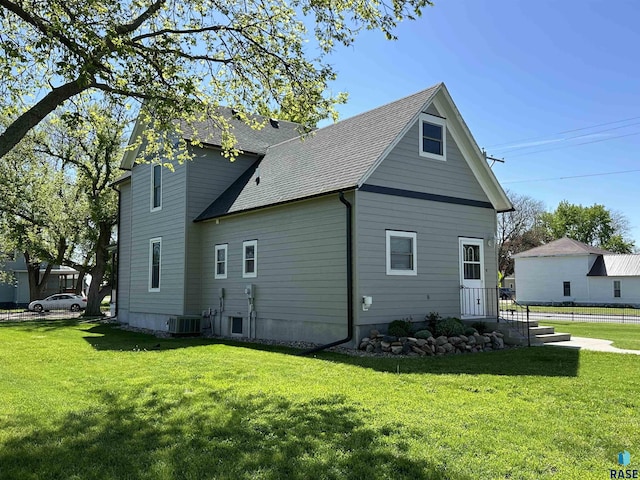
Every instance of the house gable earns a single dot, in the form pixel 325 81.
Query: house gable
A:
pixel 462 173
pixel 404 171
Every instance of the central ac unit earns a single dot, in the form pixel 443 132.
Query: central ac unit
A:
pixel 184 325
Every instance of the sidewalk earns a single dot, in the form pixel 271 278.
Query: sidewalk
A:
pixel 594 344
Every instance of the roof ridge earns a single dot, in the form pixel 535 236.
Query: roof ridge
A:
pixel 358 115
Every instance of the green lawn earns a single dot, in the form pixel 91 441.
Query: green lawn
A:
pixel 89 401
pixel 623 335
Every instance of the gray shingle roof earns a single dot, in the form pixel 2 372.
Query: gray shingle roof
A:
pixel 248 139
pixel 561 247
pixel 616 266
pixel 334 158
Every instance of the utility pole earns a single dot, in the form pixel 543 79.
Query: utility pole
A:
pixel 487 157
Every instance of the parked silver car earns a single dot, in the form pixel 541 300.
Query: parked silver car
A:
pixel 59 301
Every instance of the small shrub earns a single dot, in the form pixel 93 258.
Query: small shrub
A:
pixel 432 319
pixel 400 328
pixel 449 327
pixel 423 334
pixel 481 327
pixel 470 331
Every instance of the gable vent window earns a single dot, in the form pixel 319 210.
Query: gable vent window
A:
pixel 433 137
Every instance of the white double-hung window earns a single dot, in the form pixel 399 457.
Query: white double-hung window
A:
pixel 155 257
pixel 250 259
pixel 156 188
pixel 221 261
pixel 401 251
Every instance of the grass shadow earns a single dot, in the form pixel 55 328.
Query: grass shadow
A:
pixel 105 336
pixel 537 361
pixel 224 435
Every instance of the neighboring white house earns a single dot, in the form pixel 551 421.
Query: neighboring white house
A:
pixel 566 270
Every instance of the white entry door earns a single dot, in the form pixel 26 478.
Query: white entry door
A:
pixel 472 294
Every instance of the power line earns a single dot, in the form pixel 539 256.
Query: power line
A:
pixel 539 137
pixel 573 176
pixel 582 135
pixel 576 144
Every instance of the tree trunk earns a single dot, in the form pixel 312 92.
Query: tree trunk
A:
pixel 77 288
pixel 94 297
pixel 36 284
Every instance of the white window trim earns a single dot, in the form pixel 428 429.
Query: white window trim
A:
pixel 151 242
pixel 159 207
pixel 413 236
pixel 216 275
pixel 425 117
pixel 246 244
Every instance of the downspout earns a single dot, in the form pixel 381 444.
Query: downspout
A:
pixel 350 292
pixel 117 262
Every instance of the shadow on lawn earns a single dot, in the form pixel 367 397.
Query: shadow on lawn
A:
pixel 538 361
pixel 214 435
pixel 106 336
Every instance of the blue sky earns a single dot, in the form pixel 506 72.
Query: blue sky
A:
pixel 520 73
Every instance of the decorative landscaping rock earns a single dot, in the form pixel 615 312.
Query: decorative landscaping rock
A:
pixel 441 340
pixel 442 345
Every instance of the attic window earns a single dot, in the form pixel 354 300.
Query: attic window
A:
pixel 433 137
pixel 274 123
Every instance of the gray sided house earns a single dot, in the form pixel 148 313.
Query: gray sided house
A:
pixel 382 216
pixel 15 291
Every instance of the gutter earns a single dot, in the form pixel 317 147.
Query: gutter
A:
pixel 350 292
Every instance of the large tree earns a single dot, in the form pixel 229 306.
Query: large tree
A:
pixel 37 212
pixel 59 207
pixel 87 141
pixel 518 230
pixel 179 58
pixel 594 225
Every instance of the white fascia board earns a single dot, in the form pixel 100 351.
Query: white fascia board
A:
pixel 130 155
pixel 471 152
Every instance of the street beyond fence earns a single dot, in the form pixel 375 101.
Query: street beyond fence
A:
pixel 23 315
pixel 571 313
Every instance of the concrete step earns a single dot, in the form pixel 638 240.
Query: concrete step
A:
pixel 541 330
pixel 554 337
